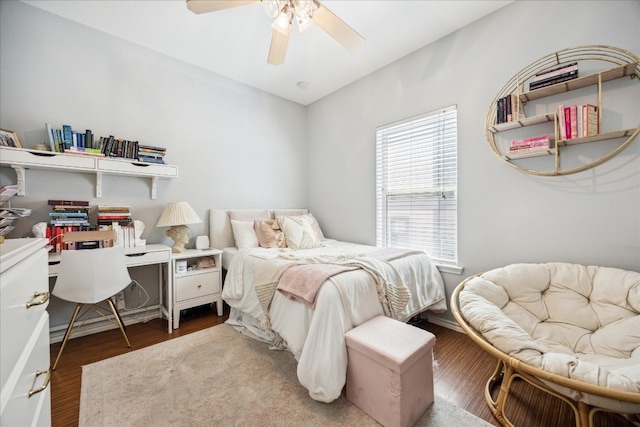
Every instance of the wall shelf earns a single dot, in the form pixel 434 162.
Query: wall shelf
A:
pixel 626 64
pixel 22 159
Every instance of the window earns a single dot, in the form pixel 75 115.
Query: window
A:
pixel 416 185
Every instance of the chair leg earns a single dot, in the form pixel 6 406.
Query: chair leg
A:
pixel 67 334
pixel 116 315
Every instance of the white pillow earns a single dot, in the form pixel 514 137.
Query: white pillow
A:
pixel 299 232
pixel 244 234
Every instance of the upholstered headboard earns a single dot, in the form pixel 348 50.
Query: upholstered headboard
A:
pixel 220 232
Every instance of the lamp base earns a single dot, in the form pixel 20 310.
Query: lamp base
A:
pixel 180 235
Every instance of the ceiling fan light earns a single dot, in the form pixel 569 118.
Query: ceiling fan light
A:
pixel 272 7
pixel 304 23
pixel 282 23
pixel 305 7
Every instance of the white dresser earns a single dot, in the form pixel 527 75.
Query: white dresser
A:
pixel 25 396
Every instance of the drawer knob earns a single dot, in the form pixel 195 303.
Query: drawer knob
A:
pixel 199 286
pixel 45 298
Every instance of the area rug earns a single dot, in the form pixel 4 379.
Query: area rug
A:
pixel 219 377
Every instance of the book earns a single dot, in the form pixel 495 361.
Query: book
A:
pixel 562 130
pixel 536 143
pixel 151 147
pixel 84 151
pixel 552 81
pixel 555 72
pixel 52 142
pixel 67 136
pixel 500 111
pixel 53 202
pixel 556 68
pixel 88 136
pixel 77 222
pixel 69 214
pixel 591 125
pixel 537 140
pixel 567 122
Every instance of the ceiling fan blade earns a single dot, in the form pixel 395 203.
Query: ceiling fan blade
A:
pixel 204 6
pixel 337 28
pixel 278 48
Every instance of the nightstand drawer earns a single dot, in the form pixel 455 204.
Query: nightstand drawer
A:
pixel 197 285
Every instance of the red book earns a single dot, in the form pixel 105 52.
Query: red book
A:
pixel 567 122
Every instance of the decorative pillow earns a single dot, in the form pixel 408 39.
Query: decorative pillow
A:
pixel 269 233
pixel 243 234
pixel 314 224
pixel 299 232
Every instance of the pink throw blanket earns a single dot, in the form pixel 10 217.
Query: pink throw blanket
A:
pixel 301 282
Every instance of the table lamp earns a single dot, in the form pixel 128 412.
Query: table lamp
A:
pixel 176 216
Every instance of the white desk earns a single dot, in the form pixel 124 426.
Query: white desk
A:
pixel 144 255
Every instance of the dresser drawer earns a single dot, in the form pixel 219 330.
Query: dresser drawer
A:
pixel 18 406
pixel 196 284
pixel 19 284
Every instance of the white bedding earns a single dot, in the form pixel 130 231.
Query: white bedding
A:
pixel 316 336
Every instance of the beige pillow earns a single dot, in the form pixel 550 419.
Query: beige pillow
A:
pixel 269 233
pixel 314 224
pixel 299 232
pixel 244 234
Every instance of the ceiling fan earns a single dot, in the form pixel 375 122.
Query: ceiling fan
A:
pixel 284 12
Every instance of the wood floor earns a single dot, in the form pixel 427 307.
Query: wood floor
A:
pixel 460 377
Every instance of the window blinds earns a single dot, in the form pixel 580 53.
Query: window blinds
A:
pixel 416 185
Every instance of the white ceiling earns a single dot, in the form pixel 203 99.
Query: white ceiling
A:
pixel 235 42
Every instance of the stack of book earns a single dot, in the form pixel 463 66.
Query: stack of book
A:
pixel 108 215
pixel 578 121
pixel 559 74
pixel 117 218
pixel 8 214
pixel 530 145
pixel 509 108
pixel 150 154
pixel 67 215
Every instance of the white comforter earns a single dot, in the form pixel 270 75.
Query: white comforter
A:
pixel 316 336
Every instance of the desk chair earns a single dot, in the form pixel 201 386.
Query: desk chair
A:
pixel 91 276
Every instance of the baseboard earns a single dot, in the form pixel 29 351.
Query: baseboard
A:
pixel 100 324
pixel 445 323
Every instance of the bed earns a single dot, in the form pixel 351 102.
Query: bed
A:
pixel 304 292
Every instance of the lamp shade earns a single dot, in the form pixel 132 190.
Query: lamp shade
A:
pixel 178 213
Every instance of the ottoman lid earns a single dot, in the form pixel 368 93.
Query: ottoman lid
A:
pixel 390 342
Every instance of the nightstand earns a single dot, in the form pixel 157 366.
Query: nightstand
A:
pixel 197 280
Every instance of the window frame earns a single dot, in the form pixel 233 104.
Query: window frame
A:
pixel 432 136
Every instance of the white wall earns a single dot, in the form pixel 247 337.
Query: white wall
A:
pixel 219 132
pixel 235 146
pixel 505 216
pixel 233 149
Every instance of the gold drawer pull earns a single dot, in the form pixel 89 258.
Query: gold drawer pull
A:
pixel 46 381
pixel 45 298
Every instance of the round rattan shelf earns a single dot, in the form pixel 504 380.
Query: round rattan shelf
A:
pixel 624 64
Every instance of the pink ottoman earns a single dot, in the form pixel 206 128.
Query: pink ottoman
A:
pixel 390 372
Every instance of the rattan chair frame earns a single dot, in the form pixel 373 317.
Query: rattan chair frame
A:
pixel 509 368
